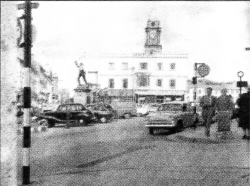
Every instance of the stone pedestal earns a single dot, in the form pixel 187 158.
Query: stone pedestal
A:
pixel 224 125
pixel 82 94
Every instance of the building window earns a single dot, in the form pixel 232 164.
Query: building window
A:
pixel 172 83
pixel 124 66
pixel 125 83
pixel 172 66
pixel 159 82
pixel 111 83
pixel 159 66
pixel 143 66
pixel 143 81
pixel 111 66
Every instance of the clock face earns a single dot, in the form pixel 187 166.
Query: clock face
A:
pixel 153 36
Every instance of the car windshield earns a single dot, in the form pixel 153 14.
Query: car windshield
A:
pixel 62 108
pixel 154 105
pixel 170 107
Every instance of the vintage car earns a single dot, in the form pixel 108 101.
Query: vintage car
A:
pixel 153 107
pixel 102 112
pixel 74 112
pixel 172 115
pixel 145 109
pixel 142 110
pixel 124 108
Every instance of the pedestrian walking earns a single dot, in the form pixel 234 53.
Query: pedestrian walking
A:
pixel 81 73
pixel 224 108
pixel 244 113
pixel 207 103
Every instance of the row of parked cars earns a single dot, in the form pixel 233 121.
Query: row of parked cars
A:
pixel 85 114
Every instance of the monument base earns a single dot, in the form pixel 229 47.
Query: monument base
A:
pixel 226 135
pixel 82 94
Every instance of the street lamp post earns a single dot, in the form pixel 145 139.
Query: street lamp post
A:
pixel 27 6
pixel 240 83
pixel 133 83
pixel 240 75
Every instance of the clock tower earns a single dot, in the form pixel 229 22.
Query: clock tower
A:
pixel 153 32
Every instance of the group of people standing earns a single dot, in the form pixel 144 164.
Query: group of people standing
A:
pixel 225 107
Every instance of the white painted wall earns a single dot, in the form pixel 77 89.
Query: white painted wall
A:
pixel 9 86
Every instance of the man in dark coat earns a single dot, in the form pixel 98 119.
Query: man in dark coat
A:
pixel 244 113
pixel 208 103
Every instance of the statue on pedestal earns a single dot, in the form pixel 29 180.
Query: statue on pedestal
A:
pixel 82 73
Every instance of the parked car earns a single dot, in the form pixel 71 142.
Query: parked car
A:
pixel 124 109
pixel 101 112
pixel 142 110
pixel 153 107
pixel 172 115
pixel 76 113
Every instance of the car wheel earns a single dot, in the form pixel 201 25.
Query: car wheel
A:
pixel 44 122
pixel 103 120
pixel 127 116
pixel 51 123
pixel 195 124
pixel 151 131
pixel 82 122
pixel 180 125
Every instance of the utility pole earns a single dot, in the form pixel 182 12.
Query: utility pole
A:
pixel 195 87
pixel 27 6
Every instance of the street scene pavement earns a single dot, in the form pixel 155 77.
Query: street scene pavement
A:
pixel 89 87
pixel 123 153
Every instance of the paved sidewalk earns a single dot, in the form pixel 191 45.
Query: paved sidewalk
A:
pixel 198 135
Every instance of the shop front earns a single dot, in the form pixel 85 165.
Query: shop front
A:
pixel 158 96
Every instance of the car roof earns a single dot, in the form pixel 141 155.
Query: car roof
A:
pixel 71 104
pixel 154 104
pixel 175 102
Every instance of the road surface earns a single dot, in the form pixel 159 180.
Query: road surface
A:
pixel 123 153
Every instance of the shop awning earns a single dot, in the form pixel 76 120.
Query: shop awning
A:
pixel 120 92
pixel 161 93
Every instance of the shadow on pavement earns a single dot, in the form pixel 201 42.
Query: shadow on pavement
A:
pixel 104 159
pixel 166 132
pixel 73 125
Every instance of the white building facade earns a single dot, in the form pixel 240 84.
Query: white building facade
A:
pixel 151 76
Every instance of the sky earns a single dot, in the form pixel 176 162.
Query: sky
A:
pixel 215 33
